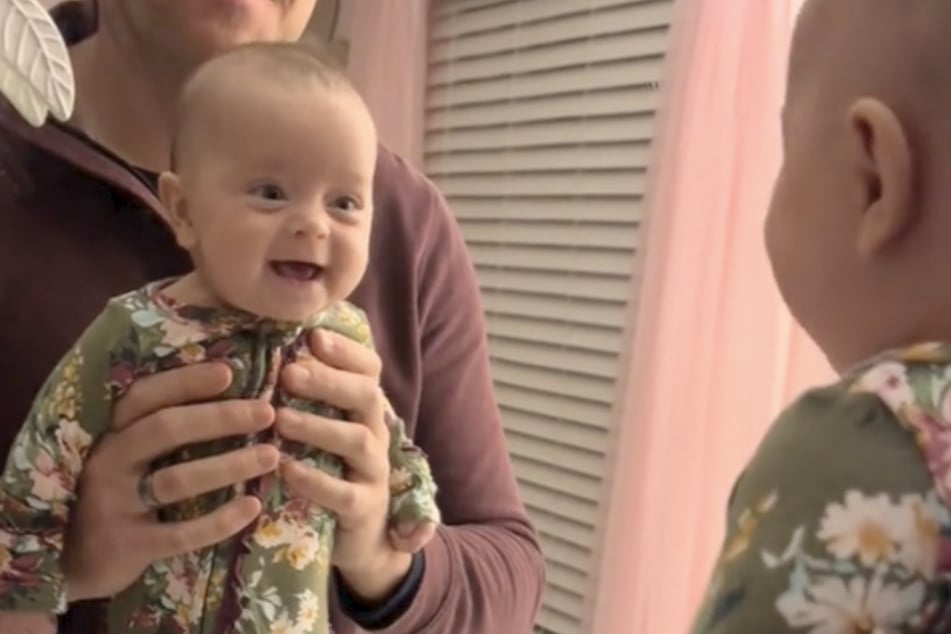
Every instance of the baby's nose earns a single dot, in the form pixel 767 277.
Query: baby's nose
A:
pixel 313 220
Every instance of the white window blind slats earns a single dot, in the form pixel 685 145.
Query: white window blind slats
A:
pixel 565 507
pixel 559 133
pixel 546 475
pixel 550 158
pixel 589 78
pixel 551 620
pixel 446 28
pixel 583 23
pixel 539 122
pixel 565 580
pixel 597 287
pixel 568 433
pixel 552 524
pixel 553 405
pixel 545 307
pixel 560 55
pixel 564 602
pixel 527 352
pixel 550 233
pixel 610 102
pixel 548 259
pixel 555 334
pixel 557 466
pixel 459 7
pixel 613 182
pixel 566 554
pixel 542 379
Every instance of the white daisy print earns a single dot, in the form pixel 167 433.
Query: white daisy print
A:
pixel 833 605
pixel 867 528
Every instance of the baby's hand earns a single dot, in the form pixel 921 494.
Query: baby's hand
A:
pixel 408 537
pixel 26 623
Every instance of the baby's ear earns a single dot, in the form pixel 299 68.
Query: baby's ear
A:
pixel 884 156
pixel 173 198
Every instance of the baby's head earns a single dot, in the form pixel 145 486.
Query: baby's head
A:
pixel 859 230
pixel 271 182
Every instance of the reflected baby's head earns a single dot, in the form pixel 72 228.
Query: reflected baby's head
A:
pixel 859 229
pixel 271 185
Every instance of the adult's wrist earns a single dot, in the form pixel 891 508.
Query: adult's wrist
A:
pixel 375 583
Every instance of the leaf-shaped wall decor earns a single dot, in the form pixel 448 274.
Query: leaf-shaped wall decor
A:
pixel 36 75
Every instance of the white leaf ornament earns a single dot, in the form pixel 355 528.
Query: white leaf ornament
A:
pixel 36 75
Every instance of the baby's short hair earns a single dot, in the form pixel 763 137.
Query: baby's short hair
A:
pixel 290 63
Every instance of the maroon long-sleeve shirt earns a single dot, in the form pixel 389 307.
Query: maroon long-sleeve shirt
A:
pixel 78 226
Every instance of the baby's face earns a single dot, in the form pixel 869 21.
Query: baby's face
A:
pixel 278 195
pixel 807 234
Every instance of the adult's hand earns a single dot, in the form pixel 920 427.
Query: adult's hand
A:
pixel 113 536
pixel 346 375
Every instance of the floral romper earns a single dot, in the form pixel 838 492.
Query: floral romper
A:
pixel 841 524
pixel 271 578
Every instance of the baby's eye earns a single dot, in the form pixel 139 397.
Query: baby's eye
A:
pixel 269 192
pixel 346 205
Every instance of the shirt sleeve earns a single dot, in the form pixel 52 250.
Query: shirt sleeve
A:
pixel 38 483
pixel 378 616
pixel 835 526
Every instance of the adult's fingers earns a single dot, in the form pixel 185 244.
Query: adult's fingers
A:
pixel 344 353
pixel 184 385
pixel 190 479
pixel 358 394
pixel 166 430
pixel 355 444
pixel 334 494
pixel 315 380
pixel 162 540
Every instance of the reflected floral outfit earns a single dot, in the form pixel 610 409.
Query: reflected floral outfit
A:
pixel 271 578
pixel 841 522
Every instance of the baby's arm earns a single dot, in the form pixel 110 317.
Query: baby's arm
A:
pixel 38 482
pixel 414 514
pixel 834 526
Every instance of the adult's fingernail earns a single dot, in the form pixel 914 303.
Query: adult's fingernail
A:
pixel 406 529
pixel 325 340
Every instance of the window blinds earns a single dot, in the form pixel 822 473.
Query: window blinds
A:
pixel 539 121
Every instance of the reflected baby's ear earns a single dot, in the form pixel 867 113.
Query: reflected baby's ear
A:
pixel 173 198
pixel 883 155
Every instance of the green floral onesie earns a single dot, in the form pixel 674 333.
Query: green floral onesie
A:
pixel 271 578
pixel 840 524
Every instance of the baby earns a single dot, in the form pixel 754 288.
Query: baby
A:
pixel 271 194
pixel 841 522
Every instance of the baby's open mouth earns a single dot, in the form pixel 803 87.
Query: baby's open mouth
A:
pixel 297 270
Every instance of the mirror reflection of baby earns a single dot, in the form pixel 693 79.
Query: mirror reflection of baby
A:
pixel 841 521
pixel 271 194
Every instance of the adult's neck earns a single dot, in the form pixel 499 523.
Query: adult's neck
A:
pixel 125 94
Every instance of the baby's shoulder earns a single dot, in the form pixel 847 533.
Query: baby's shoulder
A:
pixel 911 382
pixel 832 424
pixel 841 463
pixel 885 426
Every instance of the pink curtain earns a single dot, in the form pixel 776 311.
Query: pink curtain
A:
pixel 714 355
pixel 387 62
